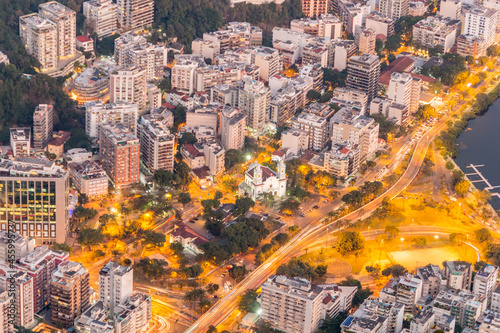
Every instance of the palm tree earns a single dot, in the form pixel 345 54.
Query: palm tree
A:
pixel 204 305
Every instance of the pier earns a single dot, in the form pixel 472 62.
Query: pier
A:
pixel 482 179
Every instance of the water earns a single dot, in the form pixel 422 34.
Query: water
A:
pixel 480 145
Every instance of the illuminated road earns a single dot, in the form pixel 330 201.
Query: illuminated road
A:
pixel 310 235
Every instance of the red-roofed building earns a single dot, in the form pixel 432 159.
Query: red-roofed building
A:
pixel 399 65
pixel 85 44
pixel 187 237
pixel 193 157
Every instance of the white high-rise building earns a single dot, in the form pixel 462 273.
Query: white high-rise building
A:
pixel 43 120
pixel 17 242
pixel 481 22
pixel 436 31
pixel 129 85
pixel 400 88
pixel 135 14
pixel 101 17
pixel 115 284
pixel 39 36
pixel 97 113
pixel 183 76
pixel 65 20
pixel 268 60
pixel 485 281
pixel 253 100
pixel 134 314
pixel 157 143
pixel 295 305
pixel 394 8
pixel 233 123
pixel 20 141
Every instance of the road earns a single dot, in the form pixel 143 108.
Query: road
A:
pixel 310 235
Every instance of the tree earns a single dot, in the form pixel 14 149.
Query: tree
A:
pixel 483 235
pixel 188 137
pixel 478 265
pixel 353 198
pixel 321 270
pixel 193 271
pixel 165 84
pixel 177 248
pixel 184 198
pixel 243 205
pixel 426 111
pixel 153 268
pixel 420 241
pixel 313 95
pixel 348 241
pixel 153 238
pixel 238 273
pixel 493 50
pixel 232 158
pixel 462 187
pixel 391 231
pixel 361 294
pixel 333 325
pixel 289 206
pixel 62 247
pixel 297 268
pixel 449 165
pixel 248 301
pixel 394 270
pixel 280 239
pixel 90 237
pixel 457 238
pixel 204 305
pixel 212 288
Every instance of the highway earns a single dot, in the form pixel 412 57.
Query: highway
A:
pixel 312 234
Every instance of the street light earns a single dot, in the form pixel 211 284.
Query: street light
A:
pixel 402 240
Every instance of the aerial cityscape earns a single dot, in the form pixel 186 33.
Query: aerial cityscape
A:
pixel 264 166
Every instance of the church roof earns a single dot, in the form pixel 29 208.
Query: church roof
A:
pixel 266 172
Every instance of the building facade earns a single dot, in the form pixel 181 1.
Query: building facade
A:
pixel 43 120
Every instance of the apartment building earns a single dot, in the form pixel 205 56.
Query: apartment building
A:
pixel 469 45
pixel 316 53
pixel 214 156
pixel 400 88
pixel 380 24
pixel 398 113
pixel 485 281
pixel 135 14
pixel 65 21
pixel 366 322
pixel 366 40
pixel 126 42
pixel 119 150
pixel 233 123
pixel 20 291
pixel 39 265
pixel 20 141
pixel 95 319
pixel 134 314
pixel 119 113
pixel 6 325
pixel 434 30
pixel 350 95
pixel 89 178
pixel 43 119
pixel 115 284
pixel 209 49
pixel 253 100
pixel 183 76
pixel 288 50
pixel 208 76
pixel 394 9
pixel 128 85
pixel 295 305
pixel 39 36
pixel 450 9
pixel 316 127
pixel 268 60
pixel 326 25
pixel 24 184
pixel 481 22
pixel 343 51
pixel 409 290
pixel 288 35
pixel 235 35
pixel 342 160
pixel 101 17
pixel 349 126
pixel 20 244
pixel 363 73
pixel 458 274
pixel 314 8
pixel 393 311
pixel 495 299
pixel 69 293
pixel 433 281
pixel 156 142
pixel 295 140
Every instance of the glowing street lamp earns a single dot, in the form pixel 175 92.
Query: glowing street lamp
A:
pixel 402 240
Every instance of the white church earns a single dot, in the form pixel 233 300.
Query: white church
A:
pixel 260 179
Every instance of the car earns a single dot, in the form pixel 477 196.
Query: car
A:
pixel 316 207
pixel 325 201
pixel 192 221
pixel 303 214
pixel 215 296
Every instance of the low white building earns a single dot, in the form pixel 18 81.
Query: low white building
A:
pixel 260 179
